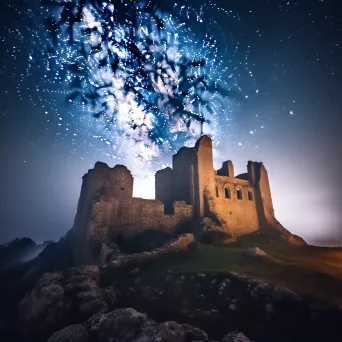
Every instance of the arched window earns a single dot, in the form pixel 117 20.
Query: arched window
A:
pixel 239 194
pixel 217 193
pixel 227 193
pixel 250 195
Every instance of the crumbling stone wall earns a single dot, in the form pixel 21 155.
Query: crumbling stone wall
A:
pixel 129 217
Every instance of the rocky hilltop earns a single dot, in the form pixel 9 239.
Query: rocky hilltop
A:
pixel 78 305
pixel 152 296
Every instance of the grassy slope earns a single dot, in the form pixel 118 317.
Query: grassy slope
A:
pixel 309 271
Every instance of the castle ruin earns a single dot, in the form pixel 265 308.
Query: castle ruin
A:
pixel 192 190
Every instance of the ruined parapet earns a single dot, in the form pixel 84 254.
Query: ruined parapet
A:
pixel 164 188
pixel 227 169
pixel 119 183
pixel 103 182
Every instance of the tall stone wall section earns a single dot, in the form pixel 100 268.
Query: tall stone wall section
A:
pixel 239 214
pixel 129 217
pixel 182 174
pixel 258 177
pixel 164 188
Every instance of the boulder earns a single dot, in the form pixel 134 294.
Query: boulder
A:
pixel 236 336
pixel 280 293
pixel 72 333
pixel 128 325
pixel 171 332
pixel 254 252
pixel 121 325
pixel 61 298
pixel 216 236
pixel 212 233
pixel 45 307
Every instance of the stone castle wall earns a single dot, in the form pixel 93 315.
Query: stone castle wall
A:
pixel 128 217
pixel 240 215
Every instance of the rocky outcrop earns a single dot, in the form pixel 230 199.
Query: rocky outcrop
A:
pixel 276 227
pixel 61 298
pixel 236 336
pixel 172 332
pixel 221 302
pixel 71 306
pixel 72 333
pixel 129 325
pixel 121 325
pixel 213 233
pixel 77 306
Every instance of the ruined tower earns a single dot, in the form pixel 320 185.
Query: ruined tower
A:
pixel 100 184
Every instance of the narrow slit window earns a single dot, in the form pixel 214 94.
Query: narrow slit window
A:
pixel 227 193
pixel 239 194
pixel 217 192
pixel 250 195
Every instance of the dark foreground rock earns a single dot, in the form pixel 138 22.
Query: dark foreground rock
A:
pixel 61 298
pixel 77 305
pixel 222 302
pixel 72 333
pixel 128 325
pixel 71 306
pixel 236 336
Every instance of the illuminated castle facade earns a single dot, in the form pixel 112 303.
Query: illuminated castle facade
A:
pixel 192 190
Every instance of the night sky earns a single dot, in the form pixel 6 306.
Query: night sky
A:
pixel 284 55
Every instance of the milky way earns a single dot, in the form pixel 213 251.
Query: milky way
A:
pixel 140 80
